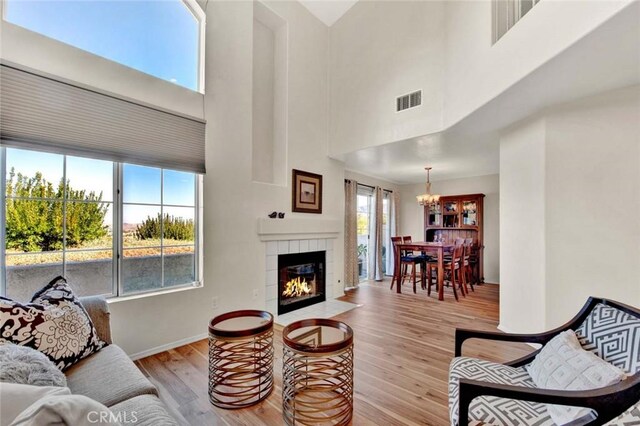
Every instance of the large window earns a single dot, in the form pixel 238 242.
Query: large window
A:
pixel 110 228
pixel 161 38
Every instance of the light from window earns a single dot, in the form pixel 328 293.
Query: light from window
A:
pixel 507 12
pixel 158 229
pixel 161 38
pixel 61 219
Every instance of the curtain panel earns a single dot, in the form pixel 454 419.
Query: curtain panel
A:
pixel 351 278
pixel 375 237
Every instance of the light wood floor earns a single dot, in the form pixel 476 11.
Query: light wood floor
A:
pixel 403 347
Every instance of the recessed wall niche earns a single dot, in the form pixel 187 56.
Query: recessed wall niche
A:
pixel 269 96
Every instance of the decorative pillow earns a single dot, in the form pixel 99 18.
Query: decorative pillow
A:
pixel 77 410
pixel 563 364
pixel 24 365
pixel 54 323
pixel 614 336
pixel 16 398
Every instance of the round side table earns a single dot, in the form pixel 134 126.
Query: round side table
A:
pixel 317 373
pixel 240 358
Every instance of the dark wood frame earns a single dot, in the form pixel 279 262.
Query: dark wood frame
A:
pixel 476 232
pixel 609 402
pixel 295 192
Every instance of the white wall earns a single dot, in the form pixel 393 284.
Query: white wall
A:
pixel 545 31
pixel 570 196
pixel 234 258
pixel 381 50
pixel 522 222
pixel 593 202
pixel 262 152
pixel 412 214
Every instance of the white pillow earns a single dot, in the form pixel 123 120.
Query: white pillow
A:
pixel 28 405
pixel 562 364
pixel 15 398
pixel 76 410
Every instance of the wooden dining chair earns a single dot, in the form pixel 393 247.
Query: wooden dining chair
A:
pixel 452 271
pixel 407 258
pixel 467 273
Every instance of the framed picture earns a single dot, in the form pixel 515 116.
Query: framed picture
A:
pixel 307 192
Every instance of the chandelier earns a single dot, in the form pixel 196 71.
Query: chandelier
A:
pixel 428 198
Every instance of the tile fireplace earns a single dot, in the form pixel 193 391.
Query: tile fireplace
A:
pixel 301 280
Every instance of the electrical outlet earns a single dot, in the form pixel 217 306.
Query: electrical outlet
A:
pixel 256 292
pixel 214 302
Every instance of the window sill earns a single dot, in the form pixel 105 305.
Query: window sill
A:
pixel 152 293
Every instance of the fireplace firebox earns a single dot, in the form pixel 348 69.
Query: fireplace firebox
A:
pixel 301 280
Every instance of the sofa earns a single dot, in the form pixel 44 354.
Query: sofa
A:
pixel 111 378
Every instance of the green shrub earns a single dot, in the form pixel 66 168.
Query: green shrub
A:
pixel 35 213
pixel 175 228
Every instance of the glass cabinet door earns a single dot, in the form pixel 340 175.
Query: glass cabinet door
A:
pixel 469 213
pixel 434 217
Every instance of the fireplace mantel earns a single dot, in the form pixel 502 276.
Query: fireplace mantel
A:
pixel 298 228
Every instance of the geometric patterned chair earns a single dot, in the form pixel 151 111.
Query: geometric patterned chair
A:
pixel 486 393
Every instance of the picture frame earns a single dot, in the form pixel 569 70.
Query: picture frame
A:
pixel 306 193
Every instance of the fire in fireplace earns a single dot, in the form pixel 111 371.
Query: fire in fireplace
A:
pixel 301 280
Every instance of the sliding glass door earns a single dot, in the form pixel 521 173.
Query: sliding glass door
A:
pixel 365 217
pixel 365 212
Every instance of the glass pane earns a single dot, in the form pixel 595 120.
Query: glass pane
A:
pixel 28 273
pixel 160 38
pixel 140 226
pixel 89 225
pixel 33 225
pixel 141 270
pixel 450 207
pixel 141 184
pixel 179 188
pixel 469 213
pixel 179 266
pixel 90 272
pixel 89 179
pixel 34 174
pixel 178 225
pixel 363 214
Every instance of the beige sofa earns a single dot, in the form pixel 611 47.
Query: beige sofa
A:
pixel 112 379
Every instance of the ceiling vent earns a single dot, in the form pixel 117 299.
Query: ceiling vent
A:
pixel 411 100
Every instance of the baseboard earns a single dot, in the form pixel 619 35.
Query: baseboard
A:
pixel 168 346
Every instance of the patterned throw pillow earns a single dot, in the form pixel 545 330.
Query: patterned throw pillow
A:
pixel 613 335
pixel 563 364
pixel 54 323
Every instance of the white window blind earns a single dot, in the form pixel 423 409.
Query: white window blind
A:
pixel 44 113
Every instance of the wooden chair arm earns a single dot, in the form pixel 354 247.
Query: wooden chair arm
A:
pixel 607 402
pixel 463 334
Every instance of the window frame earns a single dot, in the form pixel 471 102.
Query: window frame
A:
pixel 117 246
pixel 198 13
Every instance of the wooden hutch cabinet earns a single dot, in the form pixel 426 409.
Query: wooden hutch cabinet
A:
pixel 457 216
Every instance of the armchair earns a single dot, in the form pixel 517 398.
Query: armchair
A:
pixel 487 393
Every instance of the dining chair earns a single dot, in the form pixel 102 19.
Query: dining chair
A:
pixel 407 258
pixel 467 273
pixel 452 270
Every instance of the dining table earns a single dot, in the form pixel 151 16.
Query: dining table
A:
pixel 424 247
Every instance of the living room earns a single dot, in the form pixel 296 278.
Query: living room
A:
pixel 539 114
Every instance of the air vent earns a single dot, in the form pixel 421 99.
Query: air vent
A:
pixel 411 100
